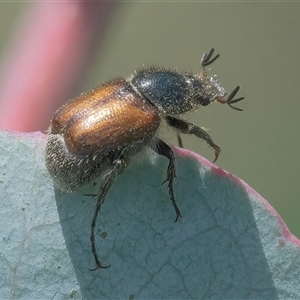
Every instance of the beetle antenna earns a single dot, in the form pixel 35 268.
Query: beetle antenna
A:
pixel 229 101
pixel 206 59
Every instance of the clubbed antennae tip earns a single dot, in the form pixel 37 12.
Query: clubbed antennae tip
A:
pixel 229 101
pixel 206 58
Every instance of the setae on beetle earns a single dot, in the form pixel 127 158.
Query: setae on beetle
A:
pixel 95 134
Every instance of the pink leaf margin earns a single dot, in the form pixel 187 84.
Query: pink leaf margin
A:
pixel 220 172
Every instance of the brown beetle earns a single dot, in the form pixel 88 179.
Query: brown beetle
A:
pixel 95 134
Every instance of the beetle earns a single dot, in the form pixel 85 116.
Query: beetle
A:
pixel 95 134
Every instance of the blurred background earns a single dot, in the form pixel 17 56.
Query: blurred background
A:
pixel 259 46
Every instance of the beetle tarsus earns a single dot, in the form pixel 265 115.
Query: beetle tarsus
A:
pixel 98 265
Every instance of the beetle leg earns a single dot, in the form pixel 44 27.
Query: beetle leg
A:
pixel 189 128
pixel 107 181
pixel 179 139
pixel 163 149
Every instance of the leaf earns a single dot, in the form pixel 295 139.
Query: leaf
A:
pixel 229 244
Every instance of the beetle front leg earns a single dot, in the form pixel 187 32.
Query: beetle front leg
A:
pixel 189 128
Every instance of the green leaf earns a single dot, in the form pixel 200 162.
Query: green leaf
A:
pixel 229 244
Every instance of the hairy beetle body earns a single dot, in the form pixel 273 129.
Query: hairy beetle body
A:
pixel 95 134
pixel 87 134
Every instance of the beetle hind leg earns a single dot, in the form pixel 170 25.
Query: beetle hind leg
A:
pixel 107 182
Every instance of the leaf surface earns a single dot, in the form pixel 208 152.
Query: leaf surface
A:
pixel 229 244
